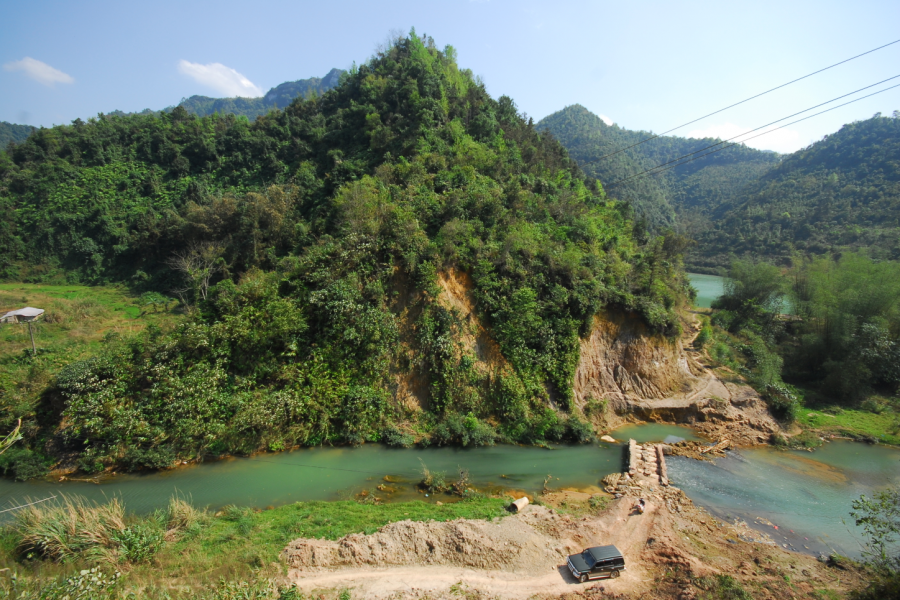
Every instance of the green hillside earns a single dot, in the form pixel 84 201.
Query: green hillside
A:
pixel 684 196
pixel 278 97
pixel 10 132
pixel 307 248
pixel 841 193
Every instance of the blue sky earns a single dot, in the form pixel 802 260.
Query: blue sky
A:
pixel 644 65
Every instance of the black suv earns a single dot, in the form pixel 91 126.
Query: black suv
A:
pixel 598 562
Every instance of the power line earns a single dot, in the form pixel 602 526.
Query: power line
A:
pixel 741 102
pixel 29 504
pixel 658 168
pixel 772 123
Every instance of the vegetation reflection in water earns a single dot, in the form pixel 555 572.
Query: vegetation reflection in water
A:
pixel 327 473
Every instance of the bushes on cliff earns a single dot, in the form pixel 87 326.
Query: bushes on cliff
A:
pixel 306 248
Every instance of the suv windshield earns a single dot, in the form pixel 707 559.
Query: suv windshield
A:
pixel 588 558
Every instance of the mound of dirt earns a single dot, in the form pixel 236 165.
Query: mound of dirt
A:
pixel 673 550
pixel 533 541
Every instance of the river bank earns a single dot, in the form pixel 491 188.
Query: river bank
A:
pixel 472 548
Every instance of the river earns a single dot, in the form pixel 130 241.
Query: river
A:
pixel 709 287
pixel 809 493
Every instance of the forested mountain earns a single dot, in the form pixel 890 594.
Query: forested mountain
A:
pixel 278 97
pixel 840 193
pixel 10 132
pixel 683 196
pixel 310 247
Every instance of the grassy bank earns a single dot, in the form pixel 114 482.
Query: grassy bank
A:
pixel 880 423
pixel 77 322
pixel 184 552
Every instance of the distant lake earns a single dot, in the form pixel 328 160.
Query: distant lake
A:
pixel 709 287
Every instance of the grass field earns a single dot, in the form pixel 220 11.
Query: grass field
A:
pixel 76 315
pixel 236 550
pixel 883 427
pixel 76 321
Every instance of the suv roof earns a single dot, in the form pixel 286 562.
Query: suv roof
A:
pixel 604 552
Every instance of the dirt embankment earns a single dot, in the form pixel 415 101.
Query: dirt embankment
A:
pixel 673 550
pixel 647 377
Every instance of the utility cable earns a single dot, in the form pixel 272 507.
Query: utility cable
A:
pixel 29 504
pixel 658 168
pixel 719 143
pixel 741 102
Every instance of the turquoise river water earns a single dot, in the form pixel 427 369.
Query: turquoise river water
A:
pixel 809 493
pixel 709 287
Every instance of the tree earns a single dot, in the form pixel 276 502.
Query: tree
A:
pixel 880 519
pixel 754 293
pixel 198 264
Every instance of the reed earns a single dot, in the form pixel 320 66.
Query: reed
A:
pixel 71 527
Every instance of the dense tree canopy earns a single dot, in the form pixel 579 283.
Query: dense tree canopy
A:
pixel 310 244
pixel 682 197
pixel 840 193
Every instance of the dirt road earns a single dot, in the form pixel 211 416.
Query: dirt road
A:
pixel 670 550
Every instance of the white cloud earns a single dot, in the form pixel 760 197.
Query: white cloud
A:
pixel 220 78
pixel 606 119
pixel 781 140
pixel 39 71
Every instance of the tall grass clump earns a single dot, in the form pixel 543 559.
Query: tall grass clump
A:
pixel 74 528
pixel 70 528
pixel 183 516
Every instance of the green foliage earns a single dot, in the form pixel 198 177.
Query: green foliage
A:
pixel 23 464
pixel 687 194
pixel 396 437
pixel 722 587
pixel 307 249
pixel 463 430
pixel 139 542
pixel 279 96
pixel 705 335
pixel 840 193
pixel 754 293
pixel 879 517
pixel 10 132
pixel 849 337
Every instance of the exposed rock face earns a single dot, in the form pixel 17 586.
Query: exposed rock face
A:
pixel 623 361
pixel 639 374
pixel 650 377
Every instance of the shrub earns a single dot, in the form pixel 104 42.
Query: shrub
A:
pixel 465 431
pixel 433 481
pixel 703 337
pixel 23 464
pixel 782 402
pixel 183 516
pixel 396 437
pixel 71 528
pixel 579 431
pixel 136 458
pixel 138 542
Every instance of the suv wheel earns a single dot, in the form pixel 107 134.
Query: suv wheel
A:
pixel 614 574
pixel 583 578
